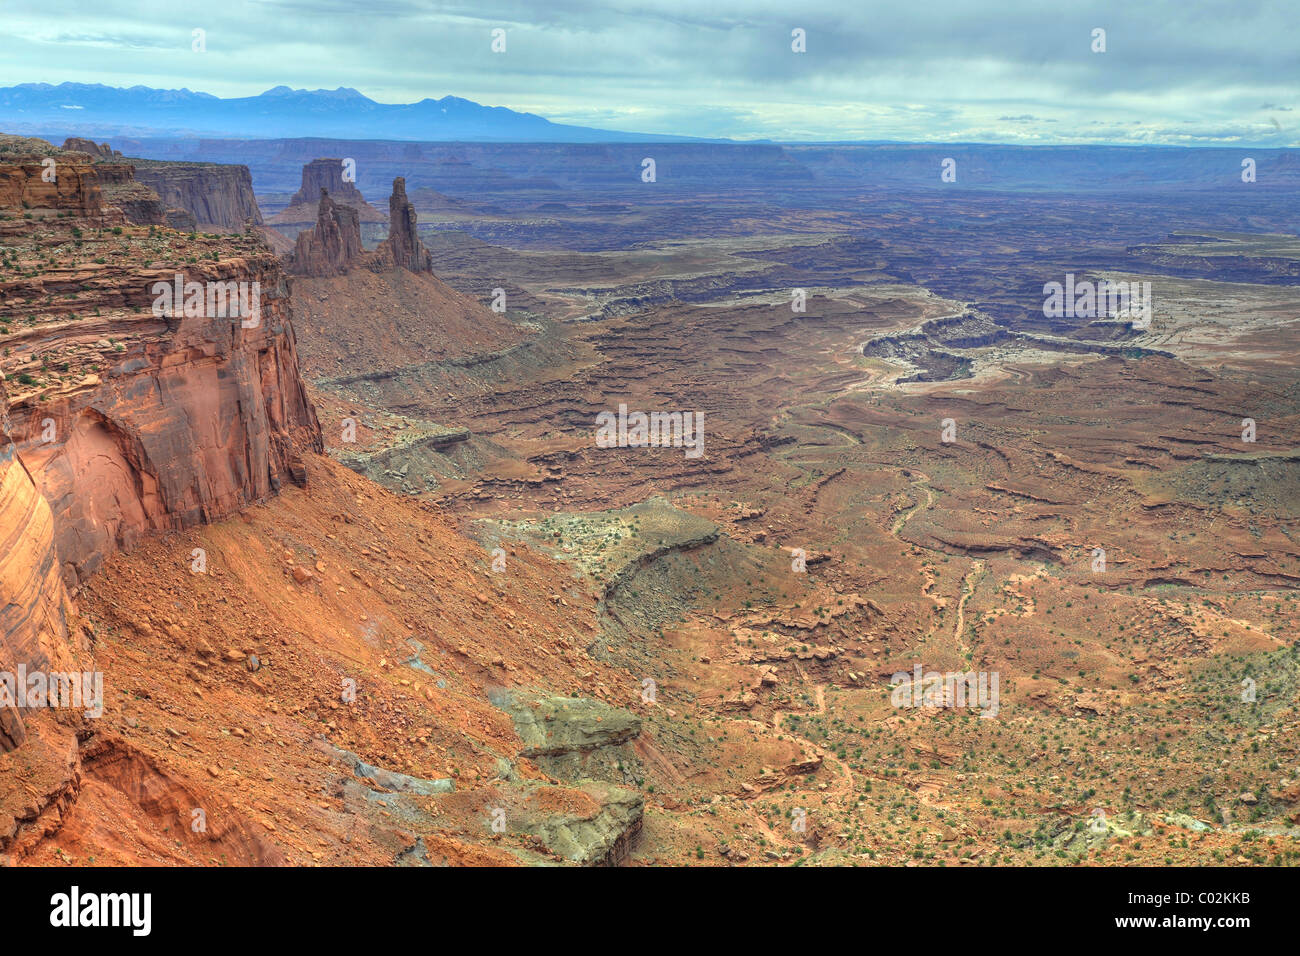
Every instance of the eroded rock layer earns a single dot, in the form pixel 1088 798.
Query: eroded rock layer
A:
pixel 402 249
pixel 333 245
pixel 319 177
pixel 219 197
pixel 148 380
pixel 32 621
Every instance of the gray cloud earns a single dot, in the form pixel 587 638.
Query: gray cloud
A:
pixel 1013 70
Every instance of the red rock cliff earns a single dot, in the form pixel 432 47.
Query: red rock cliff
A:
pixel 33 621
pixel 121 413
pixel 129 419
pixel 219 197
pixel 332 246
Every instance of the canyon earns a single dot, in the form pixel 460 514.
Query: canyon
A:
pixel 365 588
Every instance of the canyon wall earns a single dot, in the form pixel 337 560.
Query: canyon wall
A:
pixel 219 197
pixel 321 175
pixel 126 416
pixel 196 418
pixel 25 185
pixel 33 623
pixel 139 204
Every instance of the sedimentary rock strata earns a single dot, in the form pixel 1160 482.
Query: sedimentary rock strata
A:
pixel 131 417
pixel 219 197
pixel 33 626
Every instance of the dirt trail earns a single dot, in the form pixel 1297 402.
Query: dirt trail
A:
pixel 819 698
pixel 924 482
pixel 967 591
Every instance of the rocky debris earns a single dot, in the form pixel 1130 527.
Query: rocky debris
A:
pixel 1092 702
pixel 1099 829
pixel 403 248
pixel 772 778
pixel 389 780
pixel 220 198
pixel 1187 822
pixel 333 246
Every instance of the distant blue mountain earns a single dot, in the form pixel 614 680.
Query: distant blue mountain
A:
pixel 92 109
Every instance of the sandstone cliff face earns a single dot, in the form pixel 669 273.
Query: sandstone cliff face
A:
pixel 402 249
pixel 130 421
pixel 321 175
pixel 139 204
pixel 194 420
pixel 219 197
pixel 332 246
pixel 119 415
pixel 33 625
pixel 76 187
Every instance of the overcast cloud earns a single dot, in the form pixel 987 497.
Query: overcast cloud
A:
pixel 1182 73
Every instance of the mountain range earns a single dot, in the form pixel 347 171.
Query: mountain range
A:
pixel 93 109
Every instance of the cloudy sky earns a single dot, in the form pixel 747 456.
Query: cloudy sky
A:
pixel 1013 71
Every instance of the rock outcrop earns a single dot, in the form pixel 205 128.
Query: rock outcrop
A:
pixel 139 204
pixel 219 197
pixel 403 248
pixel 332 246
pixel 25 185
pixel 77 144
pixel 587 744
pixel 319 177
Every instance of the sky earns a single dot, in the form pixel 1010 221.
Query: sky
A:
pixel 1174 72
